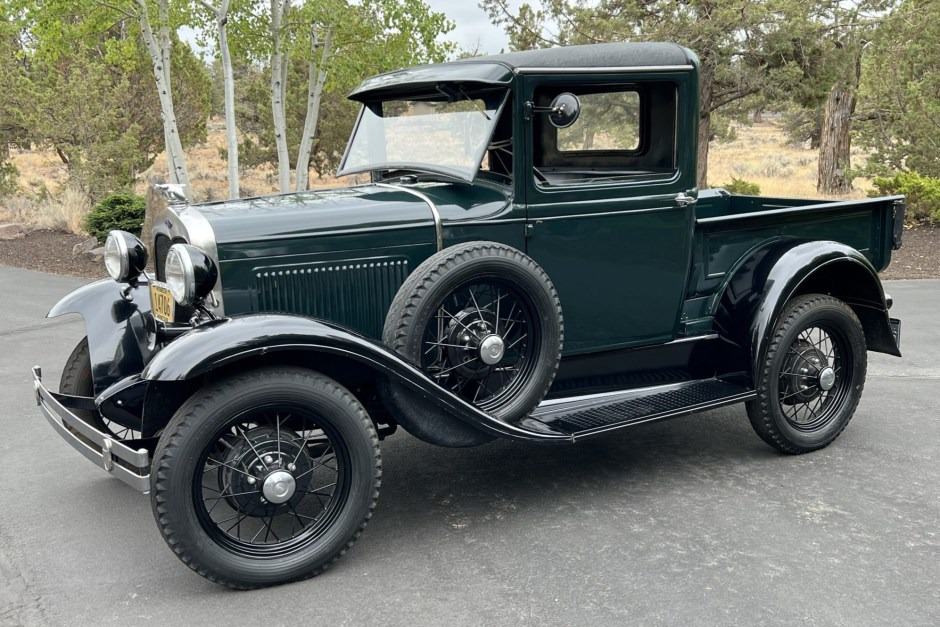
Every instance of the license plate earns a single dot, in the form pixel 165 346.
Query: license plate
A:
pixel 161 302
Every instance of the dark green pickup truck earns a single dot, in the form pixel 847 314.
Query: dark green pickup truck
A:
pixel 530 259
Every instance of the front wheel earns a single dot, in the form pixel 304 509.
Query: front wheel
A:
pixel 266 477
pixel 811 376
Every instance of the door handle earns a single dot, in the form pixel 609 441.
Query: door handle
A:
pixel 684 200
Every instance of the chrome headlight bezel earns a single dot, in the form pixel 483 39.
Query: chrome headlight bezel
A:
pixel 125 256
pixel 190 274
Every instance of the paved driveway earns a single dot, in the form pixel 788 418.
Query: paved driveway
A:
pixel 692 521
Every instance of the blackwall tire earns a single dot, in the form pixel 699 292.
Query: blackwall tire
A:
pixel 475 297
pixel 799 407
pixel 77 381
pixel 237 412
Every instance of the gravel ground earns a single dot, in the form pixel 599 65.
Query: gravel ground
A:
pixel 51 251
pixel 919 257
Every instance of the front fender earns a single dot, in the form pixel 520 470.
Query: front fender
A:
pixel 761 285
pixel 116 327
pixel 243 338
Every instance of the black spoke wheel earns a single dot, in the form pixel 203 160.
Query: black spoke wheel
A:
pixel 266 477
pixel 272 480
pixel 812 375
pixel 482 341
pixel 483 321
pixel 77 381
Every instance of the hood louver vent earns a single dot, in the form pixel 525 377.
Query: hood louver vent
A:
pixel 355 293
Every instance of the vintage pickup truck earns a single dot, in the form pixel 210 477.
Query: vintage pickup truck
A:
pixel 531 260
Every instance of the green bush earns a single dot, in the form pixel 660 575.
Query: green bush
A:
pixel 123 211
pixel 742 187
pixel 922 192
pixel 8 176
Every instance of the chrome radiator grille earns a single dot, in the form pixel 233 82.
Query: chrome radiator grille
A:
pixel 355 293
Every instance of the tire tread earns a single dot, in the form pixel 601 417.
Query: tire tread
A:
pixel 196 406
pixel 759 410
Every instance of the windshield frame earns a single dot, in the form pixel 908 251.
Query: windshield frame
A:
pixel 451 172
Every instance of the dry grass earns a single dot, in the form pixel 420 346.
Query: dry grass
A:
pixel 208 172
pixel 62 211
pixel 759 154
pixel 762 154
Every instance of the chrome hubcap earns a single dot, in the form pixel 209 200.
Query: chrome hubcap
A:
pixel 279 486
pixel 492 349
pixel 827 379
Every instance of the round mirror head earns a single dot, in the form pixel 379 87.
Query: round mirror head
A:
pixel 565 110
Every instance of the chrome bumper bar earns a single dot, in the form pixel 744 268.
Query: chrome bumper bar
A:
pixel 129 465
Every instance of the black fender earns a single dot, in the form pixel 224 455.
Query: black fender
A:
pixel 117 327
pixel 753 297
pixel 245 341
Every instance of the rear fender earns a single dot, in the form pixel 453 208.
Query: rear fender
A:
pixel 117 328
pixel 247 341
pixel 754 296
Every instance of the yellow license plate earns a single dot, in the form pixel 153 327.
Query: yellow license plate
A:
pixel 161 302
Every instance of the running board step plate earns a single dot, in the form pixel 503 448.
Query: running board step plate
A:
pixel 597 413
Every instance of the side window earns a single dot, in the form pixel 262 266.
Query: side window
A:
pixel 624 133
pixel 608 121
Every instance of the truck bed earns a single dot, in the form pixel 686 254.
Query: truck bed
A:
pixel 728 226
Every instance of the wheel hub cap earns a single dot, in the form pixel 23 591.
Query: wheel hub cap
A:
pixel 279 486
pixel 827 379
pixel 492 349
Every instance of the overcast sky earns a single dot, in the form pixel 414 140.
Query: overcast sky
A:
pixel 473 28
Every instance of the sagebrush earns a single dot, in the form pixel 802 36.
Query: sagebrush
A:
pixel 922 194
pixel 741 187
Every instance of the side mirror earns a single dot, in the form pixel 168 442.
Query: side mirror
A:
pixel 562 113
pixel 564 110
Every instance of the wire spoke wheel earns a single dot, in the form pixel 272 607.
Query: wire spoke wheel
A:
pixel 270 481
pixel 482 341
pixel 483 321
pixel 811 375
pixel 813 379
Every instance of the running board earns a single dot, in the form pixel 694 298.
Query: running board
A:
pixel 588 415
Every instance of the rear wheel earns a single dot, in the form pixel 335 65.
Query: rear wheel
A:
pixel 266 477
pixel 811 376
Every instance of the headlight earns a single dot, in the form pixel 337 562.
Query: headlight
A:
pixel 190 273
pixel 125 256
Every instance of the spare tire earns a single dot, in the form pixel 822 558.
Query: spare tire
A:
pixel 483 320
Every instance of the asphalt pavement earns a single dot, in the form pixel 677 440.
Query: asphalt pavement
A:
pixel 692 521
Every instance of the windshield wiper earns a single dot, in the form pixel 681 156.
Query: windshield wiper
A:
pixel 457 93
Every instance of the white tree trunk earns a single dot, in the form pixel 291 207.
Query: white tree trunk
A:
pixel 228 89
pixel 315 83
pixel 228 82
pixel 231 131
pixel 278 9
pixel 160 57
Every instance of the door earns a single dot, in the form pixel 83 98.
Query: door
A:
pixel 608 217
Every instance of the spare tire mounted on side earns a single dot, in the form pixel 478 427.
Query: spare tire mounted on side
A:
pixel 484 321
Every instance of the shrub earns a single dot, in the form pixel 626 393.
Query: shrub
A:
pixel 65 211
pixel 123 211
pixel 742 187
pixel 8 176
pixel 922 192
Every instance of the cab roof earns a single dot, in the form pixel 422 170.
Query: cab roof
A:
pixel 500 69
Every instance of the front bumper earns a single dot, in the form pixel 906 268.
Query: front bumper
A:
pixel 129 465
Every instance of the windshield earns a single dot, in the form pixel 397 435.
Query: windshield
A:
pixel 447 135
